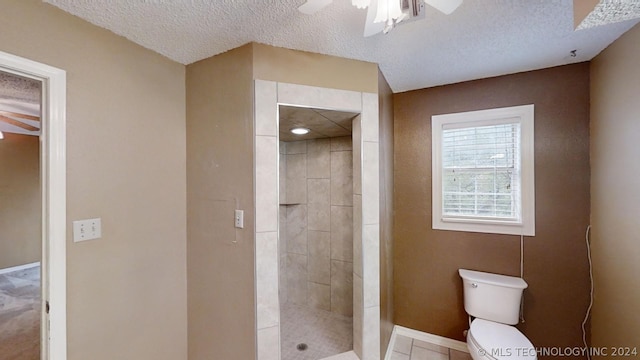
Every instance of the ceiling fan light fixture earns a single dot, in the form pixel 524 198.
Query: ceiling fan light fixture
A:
pixel 388 10
pixel 300 131
pixel 361 4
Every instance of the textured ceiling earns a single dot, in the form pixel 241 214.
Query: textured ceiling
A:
pixel 19 105
pixel 482 38
pixel 321 123
pixel 13 87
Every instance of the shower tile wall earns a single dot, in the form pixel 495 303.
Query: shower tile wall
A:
pixel 316 224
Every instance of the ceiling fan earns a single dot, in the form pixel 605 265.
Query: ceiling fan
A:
pixel 384 15
pixel 18 120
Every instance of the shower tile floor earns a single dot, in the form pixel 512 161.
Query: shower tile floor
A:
pixel 325 333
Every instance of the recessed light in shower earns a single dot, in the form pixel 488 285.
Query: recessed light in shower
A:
pixel 300 131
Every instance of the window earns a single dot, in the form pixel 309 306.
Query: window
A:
pixel 483 171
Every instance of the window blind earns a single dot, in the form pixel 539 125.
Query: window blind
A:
pixel 481 172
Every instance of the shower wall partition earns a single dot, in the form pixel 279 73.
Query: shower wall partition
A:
pixel 366 219
pixel 316 224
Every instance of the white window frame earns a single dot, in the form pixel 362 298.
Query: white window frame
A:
pixel 524 115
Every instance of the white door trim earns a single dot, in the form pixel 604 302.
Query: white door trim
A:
pixel 53 182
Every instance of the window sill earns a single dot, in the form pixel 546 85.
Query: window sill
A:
pixel 484 226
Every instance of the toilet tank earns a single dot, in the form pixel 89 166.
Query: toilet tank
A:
pixel 492 297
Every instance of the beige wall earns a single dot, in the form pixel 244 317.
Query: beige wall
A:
pixel 427 288
pixel 126 164
pixel 385 103
pixel 615 170
pixel 20 213
pixel 305 68
pixel 220 179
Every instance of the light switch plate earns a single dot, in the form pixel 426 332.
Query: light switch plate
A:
pixel 239 219
pixel 89 229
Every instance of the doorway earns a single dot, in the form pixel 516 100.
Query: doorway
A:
pixel 315 238
pixel 20 217
pixel 52 200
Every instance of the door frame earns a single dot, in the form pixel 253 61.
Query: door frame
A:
pixel 53 339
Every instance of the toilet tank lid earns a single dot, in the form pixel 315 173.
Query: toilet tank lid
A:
pixel 493 279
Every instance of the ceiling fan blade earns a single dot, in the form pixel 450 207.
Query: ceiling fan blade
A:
pixel 18 115
pixel 313 6
pixel 445 6
pixel 371 28
pixel 17 123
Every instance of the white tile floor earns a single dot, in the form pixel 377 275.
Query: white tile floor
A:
pixel 406 348
pixel 329 336
pixel 325 333
pixel 344 356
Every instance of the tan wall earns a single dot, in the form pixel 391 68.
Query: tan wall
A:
pixel 615 132
pixel 20 213
pixel 385 102
pixel 220 179
pixel 427 288
pixel 305 68
pixel 126 164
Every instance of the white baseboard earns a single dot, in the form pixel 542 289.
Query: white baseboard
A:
pixel 423 336
pixel 19 267
pixel 392 344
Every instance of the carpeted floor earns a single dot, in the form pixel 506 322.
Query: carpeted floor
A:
pixel 20 315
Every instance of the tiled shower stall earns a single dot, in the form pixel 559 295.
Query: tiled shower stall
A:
pixel 364 207
pixel 316 224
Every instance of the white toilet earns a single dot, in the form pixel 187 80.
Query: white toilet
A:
pixel 494 301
